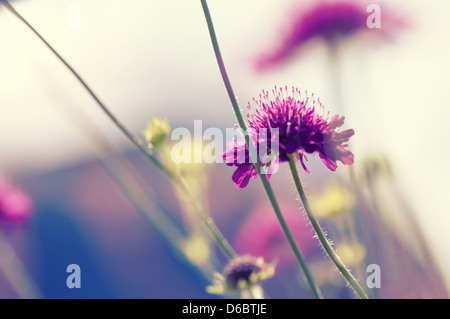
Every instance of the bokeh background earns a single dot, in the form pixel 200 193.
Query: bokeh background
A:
pixel 146 58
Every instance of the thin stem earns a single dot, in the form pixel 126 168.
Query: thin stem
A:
pixel 177 178
pixel 310 279
pixel 223 71
pixel 321 235
pixel 267 187
pixel 335 66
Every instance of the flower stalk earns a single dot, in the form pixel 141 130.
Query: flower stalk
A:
pixel 321 235
pixel 267 187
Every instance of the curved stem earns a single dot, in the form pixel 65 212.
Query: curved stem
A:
pixel 177 178
pixel 321 235
pixel 267 187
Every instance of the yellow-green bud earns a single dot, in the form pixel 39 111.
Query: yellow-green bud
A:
pixel 157 131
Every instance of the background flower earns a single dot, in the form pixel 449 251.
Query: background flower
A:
pixel 15 206
pixel 241 275
pixel 261 235
pixel 329 21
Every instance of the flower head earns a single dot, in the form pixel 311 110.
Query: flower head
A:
pixel 302 128
pixel 329 21
pixel 15 205
pixel 240 274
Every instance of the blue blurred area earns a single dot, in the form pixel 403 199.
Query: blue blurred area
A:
pixel 138 263
pixel 59 242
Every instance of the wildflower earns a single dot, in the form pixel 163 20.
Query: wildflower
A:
pixel 15 205
pixel 334 200
pixel 197 250
pixel 242 274
pixel 157 131
pixel 261 235
pixel 301 130
pixel 329 21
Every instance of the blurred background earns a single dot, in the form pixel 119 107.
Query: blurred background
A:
pixel 146 58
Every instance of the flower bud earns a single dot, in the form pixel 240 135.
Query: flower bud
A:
pixel 157 131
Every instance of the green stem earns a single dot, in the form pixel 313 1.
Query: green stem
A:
pixel 301 260
pixel 177 178
pixel 321 235
pixel 223 71
pixel 267 187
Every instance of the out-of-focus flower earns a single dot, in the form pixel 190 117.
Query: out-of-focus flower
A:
pixel 351 254
pixel 157 131
pixel 261 235
pixel 334 200
pixel 242 274
pixel 331 22
pixel 303 127
pixel 15 206
pixel 197 250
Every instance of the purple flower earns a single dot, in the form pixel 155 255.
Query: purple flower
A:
pixel 241 269
pixel 242 273
pixel 301 130
pixel 237 154
pixel 15 205
pixel 330 21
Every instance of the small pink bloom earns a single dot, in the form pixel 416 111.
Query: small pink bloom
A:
pixel 15 205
